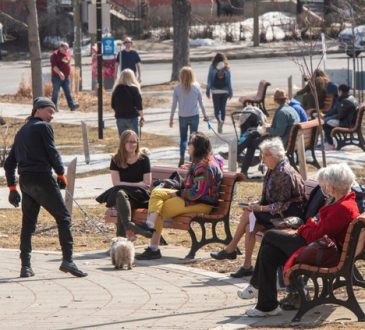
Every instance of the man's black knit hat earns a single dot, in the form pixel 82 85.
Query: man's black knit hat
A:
pixel 43 102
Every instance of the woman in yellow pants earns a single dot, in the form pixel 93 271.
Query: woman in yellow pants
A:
pixel 200 194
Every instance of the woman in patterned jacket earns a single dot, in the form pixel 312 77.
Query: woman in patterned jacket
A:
pixel 283 195
pixel 198 195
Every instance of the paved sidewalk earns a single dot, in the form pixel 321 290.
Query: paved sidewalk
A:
pixel 158 294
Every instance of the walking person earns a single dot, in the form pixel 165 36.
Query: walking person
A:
pixel 128 58
pixel 189 97
pixel 127 102
pixel 61 68
pixel 219 84
pixel 35 155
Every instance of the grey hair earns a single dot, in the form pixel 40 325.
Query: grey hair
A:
pixel 338 176
pixel 274 146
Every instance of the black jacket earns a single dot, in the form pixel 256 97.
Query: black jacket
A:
pixel 346 110
pixel 33 151
pixel 126 101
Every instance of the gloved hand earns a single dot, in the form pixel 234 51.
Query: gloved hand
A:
pixel 61 181
pixel 14 196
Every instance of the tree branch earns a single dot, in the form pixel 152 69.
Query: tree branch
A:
pixel 11 18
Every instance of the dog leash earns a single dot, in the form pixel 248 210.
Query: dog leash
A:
pixel 89 218
pixel 215 133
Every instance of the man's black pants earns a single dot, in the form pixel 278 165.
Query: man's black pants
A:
pixel 42 190
pixel 276 248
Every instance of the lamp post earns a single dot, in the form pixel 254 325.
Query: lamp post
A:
pixel 100 67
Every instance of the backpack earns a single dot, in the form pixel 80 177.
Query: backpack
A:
pixel 359 191
pixel 219 79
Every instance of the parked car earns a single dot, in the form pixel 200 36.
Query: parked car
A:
pixel 352 41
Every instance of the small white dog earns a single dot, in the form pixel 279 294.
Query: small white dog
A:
pixel 122 253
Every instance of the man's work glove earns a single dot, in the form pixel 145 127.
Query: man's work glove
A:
pixel 14 196
pixel 61 181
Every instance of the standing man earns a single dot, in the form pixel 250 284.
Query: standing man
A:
pixel 61 68
pixel 130 59
pixel 35 155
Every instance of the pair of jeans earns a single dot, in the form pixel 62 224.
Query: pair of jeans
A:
pixel 127 123
pixel 57 83
pixel 184 124
pixel 276 248
pixel 250 144
pixel 219 104
pixel 124 212
pixel 42 190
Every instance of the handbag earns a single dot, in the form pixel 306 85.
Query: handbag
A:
pixel 175 181
pixel 322 252
pixel 288 222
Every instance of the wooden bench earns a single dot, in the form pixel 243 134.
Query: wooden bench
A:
pixel 345 274
pixel 351 136
pixel 220 213
pixel 259 99
pixel 309 130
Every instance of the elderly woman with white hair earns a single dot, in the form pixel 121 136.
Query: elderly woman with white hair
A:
pixel 277 246
pixel 283 195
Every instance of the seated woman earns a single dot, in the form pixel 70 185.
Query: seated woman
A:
pixel 342 115
pixel 282 195
pixel 199 195
pixel 131 176
pixel 305 95
pixel 277 246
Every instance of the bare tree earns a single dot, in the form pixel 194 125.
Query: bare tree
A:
pixel 34 47
pixel 181 15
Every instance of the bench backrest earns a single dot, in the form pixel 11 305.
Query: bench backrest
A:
pixel 261 90
pixel 359 116
pixel 225 192
pixel 354 243
pixel 309 130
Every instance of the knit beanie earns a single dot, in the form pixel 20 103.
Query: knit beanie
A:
pixel 43 102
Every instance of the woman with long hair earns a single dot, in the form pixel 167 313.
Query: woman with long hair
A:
pixel 127 102
pixel 188 95
pixel 131 177
pixel 198 195
pixel 219 84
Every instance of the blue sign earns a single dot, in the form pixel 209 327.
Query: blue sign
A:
pixel 108 47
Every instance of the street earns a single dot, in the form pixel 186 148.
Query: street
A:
pixel 246 73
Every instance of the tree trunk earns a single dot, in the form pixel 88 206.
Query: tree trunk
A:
pixel 181 14
pixel 34 47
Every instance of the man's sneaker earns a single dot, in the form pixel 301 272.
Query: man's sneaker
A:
pixel 254 312
pixel 248 293
pixel 149 254
pixel 70 267
pixel 26 271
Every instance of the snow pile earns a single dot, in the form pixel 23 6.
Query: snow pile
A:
pixel 273 25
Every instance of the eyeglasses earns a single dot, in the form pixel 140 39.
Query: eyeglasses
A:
pixel 131 142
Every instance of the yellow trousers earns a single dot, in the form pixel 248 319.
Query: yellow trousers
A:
pixel 166 206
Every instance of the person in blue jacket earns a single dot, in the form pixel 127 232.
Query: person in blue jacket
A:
pixel 219 84
pixel 296 105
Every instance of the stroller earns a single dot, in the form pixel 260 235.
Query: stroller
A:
pixel 248 119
